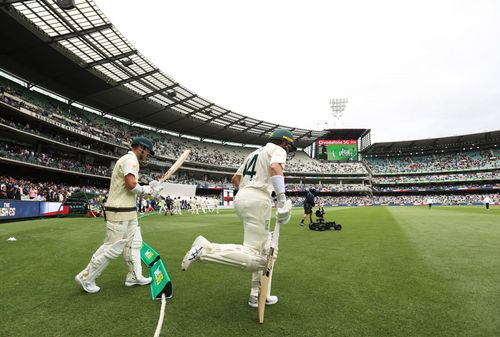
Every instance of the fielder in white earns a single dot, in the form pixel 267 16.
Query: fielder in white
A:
pixel 216 205
pixel 177 206
pixel 123 234
pixel 193 205
pixel 260 174
pixel 197 205
pixel 204 205
pixel 213 205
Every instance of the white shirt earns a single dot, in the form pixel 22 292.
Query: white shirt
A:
pixel 119 194
pixel 131 165
pixel 255 171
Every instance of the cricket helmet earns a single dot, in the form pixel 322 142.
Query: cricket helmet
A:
pixel 145 143
pixel 284 135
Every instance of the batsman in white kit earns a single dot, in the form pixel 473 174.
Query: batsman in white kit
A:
pixel 123 234
pixel 260 174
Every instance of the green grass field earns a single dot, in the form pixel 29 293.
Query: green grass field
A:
pixel 391 271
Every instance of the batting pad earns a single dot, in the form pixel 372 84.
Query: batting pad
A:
pixel 160 283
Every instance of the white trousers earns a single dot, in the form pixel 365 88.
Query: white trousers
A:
pixel 179 209
pixel 254 209
pixel 122 237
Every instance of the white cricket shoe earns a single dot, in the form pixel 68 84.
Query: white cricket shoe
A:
pixel 195 252
pixel 253 301
pixel 192 255
pixel 89 287
pixel 131 280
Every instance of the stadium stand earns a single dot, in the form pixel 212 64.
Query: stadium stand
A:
pixel 69 138
pixel 72 127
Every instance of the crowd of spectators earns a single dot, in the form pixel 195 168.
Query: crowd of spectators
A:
pixel 328 187
pixel 444 199
pixel 59 161
pixel 29 189
pixel 34 130
pixel 218 155
pixel 301 162
pixel 170 147
pixel 462 161
pixel 437 187
pixel 428 178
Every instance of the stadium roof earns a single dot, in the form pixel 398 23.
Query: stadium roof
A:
pixel 80 55
pixel 464 142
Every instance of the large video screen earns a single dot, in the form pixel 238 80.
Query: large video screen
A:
pixel 338 150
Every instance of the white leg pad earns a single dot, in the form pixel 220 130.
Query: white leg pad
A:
pixel 256 279
pixel 256 276
pixel 238 256
pixel 101 259
pixel 132 254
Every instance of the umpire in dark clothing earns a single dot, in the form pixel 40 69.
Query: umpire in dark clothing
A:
pixel 308 205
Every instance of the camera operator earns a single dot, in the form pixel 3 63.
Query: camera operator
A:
pixel 308 205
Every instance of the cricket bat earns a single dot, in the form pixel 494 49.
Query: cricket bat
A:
pixel 264 281
pixel 175 166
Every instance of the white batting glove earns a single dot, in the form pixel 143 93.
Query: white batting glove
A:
pixel 281 200
pixel 155 185
pixel 146 189
pixel 284 211
pixel 138 189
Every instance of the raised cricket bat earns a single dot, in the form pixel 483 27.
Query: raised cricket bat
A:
pixel 264 281
pixel 175 166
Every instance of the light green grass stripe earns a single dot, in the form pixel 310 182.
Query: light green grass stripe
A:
pixel 461 246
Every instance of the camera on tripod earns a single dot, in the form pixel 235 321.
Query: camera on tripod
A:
pixel 322 225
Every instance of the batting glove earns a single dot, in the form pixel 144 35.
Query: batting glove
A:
pixel 146 189
pixel 284 212
pixel 155 186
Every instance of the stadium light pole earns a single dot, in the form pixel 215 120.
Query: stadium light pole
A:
pixel 338 106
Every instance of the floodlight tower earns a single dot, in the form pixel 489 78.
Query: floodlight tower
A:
pixel 338 106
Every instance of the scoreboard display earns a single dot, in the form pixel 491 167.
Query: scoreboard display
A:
pixel 337 150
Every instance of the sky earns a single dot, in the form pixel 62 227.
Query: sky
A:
pixel 409 69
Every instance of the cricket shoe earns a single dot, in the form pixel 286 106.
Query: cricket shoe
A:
pixel 131 280
pixel 253 301
pixel 89 287
pixel 194 253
